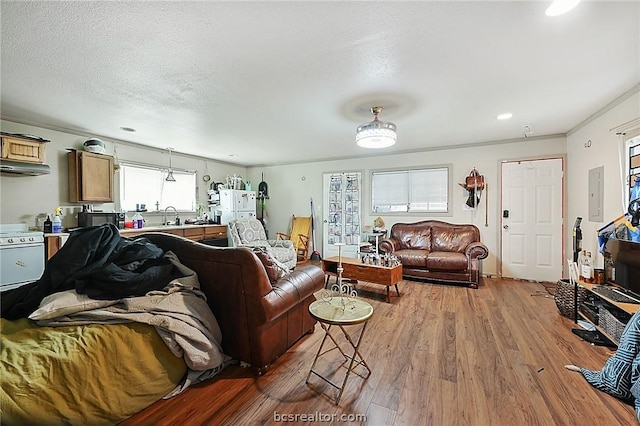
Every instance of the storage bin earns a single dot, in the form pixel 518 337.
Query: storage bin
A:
pixel 612 321
pixel 564 298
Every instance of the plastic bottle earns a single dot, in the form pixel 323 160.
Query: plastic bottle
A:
pixel 48 225
pixel 592 273
pixel 56 226
pixel 137 221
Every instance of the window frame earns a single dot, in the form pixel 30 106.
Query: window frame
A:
pixel 163 171
pixel 447 213
pixel 631 144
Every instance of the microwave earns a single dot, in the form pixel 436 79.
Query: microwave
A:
pixel 100 218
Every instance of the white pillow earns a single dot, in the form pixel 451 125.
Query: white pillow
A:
pixel 65 303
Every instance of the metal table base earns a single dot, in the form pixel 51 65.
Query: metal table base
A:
pixel 355 359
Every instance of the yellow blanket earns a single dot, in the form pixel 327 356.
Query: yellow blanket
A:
pixel 90 374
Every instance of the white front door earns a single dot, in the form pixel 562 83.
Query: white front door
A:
pixel 532 219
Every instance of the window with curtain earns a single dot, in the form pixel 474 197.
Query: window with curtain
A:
pixel 147 185
pixel 424 190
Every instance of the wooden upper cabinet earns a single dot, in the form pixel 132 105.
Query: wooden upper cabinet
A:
pixel 26 150
pixel 90 177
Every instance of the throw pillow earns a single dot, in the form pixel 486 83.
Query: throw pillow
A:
pixel 275 270
pixel 272 271
pixel 250 231
pixel 67 302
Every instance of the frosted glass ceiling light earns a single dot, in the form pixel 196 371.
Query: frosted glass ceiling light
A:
pixel 170 177
pixel 377 134
pixel 559 7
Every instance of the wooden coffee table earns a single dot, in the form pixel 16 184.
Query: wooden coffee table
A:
pixel 356 270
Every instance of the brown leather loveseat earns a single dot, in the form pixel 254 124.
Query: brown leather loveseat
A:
pixel 436 250
pixel 260 315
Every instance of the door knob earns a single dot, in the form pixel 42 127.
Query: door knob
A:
pixel 505 226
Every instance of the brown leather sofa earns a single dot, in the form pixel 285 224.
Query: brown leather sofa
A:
pixel 260 315
pixel 438 251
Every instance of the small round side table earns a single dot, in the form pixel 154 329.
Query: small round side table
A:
pixel 341 311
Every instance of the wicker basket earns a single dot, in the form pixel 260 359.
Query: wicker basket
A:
pixel 612 323
pixel 564 298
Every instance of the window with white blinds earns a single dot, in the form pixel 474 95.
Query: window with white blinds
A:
pixel 147 185
pixel 423 190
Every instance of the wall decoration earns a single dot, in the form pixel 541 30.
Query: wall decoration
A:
pixel 474 184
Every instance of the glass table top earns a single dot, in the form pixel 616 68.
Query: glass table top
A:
pixel 341 310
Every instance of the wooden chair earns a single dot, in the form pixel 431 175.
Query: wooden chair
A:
pixel 299 236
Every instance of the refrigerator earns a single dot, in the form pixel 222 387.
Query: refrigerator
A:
pixel 236 204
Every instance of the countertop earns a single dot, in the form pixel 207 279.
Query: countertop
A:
pixel 146 228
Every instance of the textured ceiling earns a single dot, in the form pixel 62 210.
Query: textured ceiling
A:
pixel 275 82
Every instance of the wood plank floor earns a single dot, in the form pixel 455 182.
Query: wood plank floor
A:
pixel 440 355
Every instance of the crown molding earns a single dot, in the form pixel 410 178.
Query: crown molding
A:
pixel 617 101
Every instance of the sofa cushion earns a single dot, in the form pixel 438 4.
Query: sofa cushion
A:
pixel 412 258
pixel 452 238
pixel 413 237
pixel 446 261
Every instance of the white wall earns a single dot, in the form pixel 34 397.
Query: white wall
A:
pixel 604 151
pixel 23 198
pixel 292 186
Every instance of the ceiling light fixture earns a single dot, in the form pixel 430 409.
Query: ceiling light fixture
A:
pixel 559 7
pixel 505 116
pixel 170 177
pixel 377 134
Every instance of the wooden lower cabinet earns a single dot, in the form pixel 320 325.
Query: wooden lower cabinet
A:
pixel 192 232
pixel 51 245
pixel 134 233
pixel 219 231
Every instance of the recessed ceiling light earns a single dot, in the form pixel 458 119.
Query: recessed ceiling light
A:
pixel 233 155
pixel 559 7
pixel 505 116
pixel 127 129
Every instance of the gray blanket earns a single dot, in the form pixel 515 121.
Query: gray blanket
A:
pixel 179 313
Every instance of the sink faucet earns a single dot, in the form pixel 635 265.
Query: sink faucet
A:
pixel 177 218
